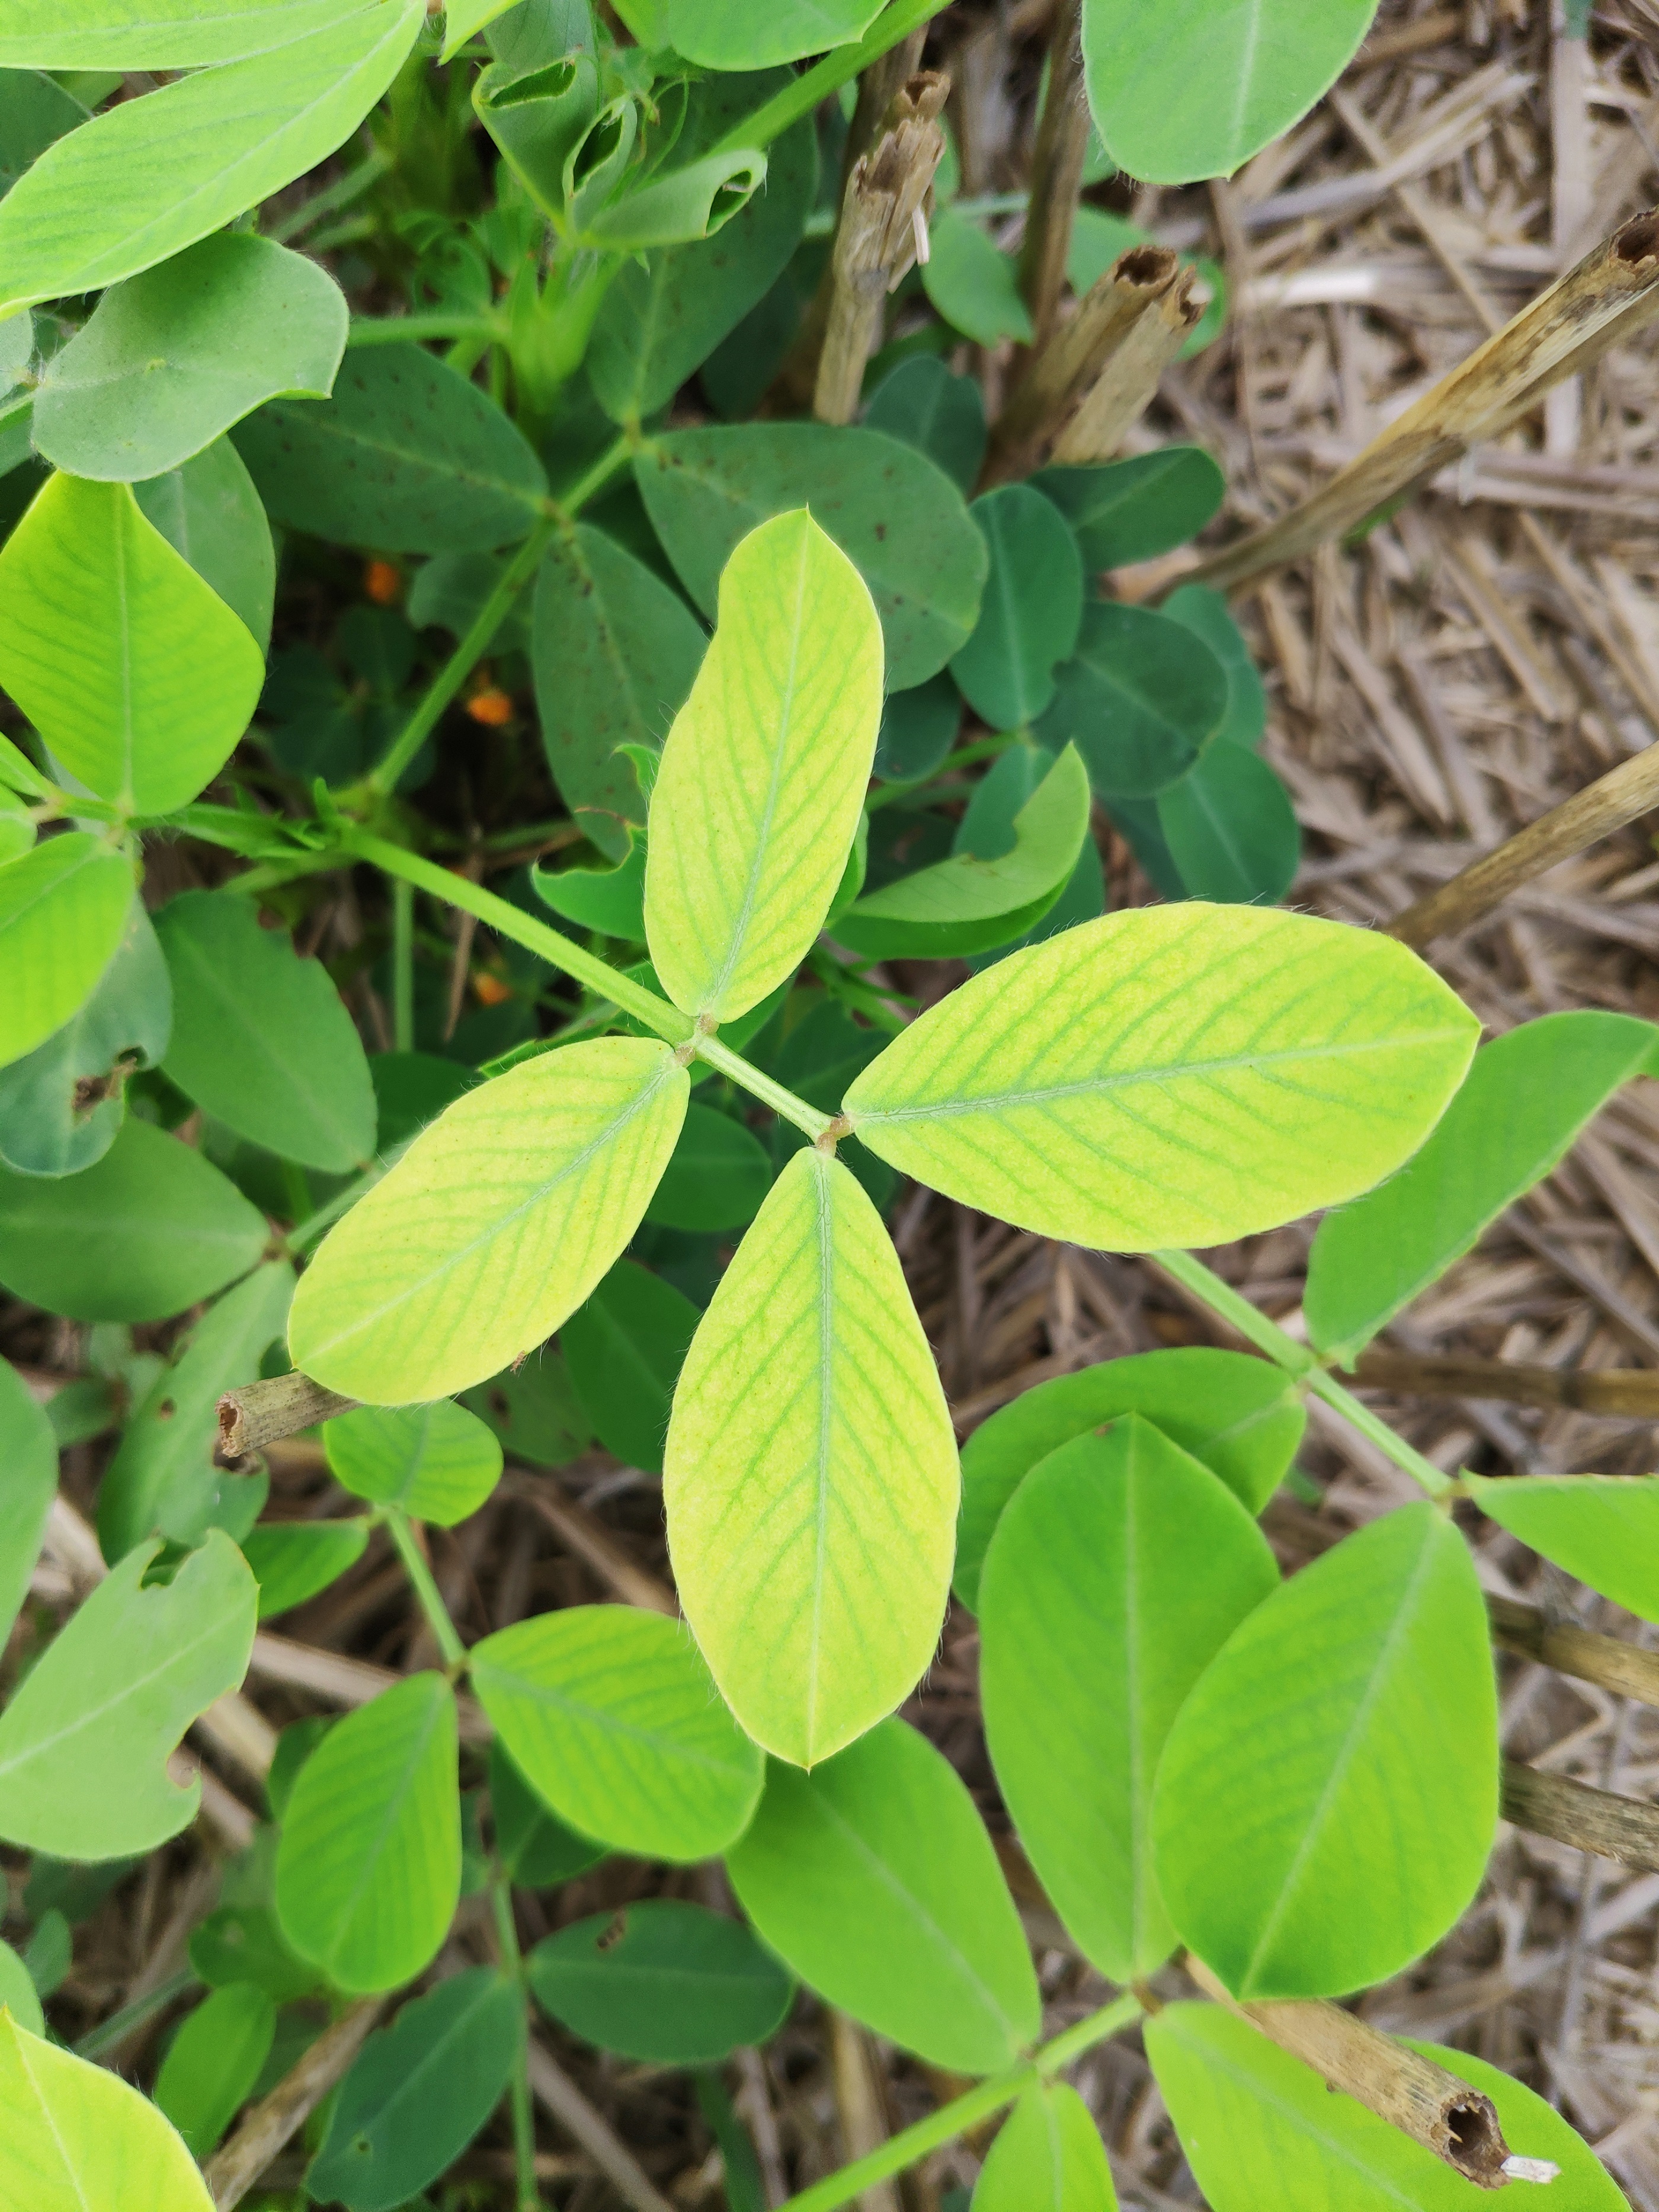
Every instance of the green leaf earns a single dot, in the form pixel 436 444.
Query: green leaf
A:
pixel 610 1715
pixel 261 1039
pixel 668 1984
pixel 1141 700
pixel 1241 1417
pixel 162 1480
pixel 369 1868
pixel 1603 1528
pixel 810 1472
pixel 63 908
pixel 1358 1843
pixel 661 319
pixel 615 653
pixel 1231 828
pixel 1047 2157
pixel 18 1994
pixel 1527 1097
pixel 964 904
pixel 534 1411
pixel 736 34
pixel 84 1742
pixel 436 1462
pixel 407 457
pixel 419 2092
pixel 154 34
pixel 171 358
pixel 28 1453
pixel 535 1847
pixel 1170 1076
pixel 922 404
pixel 873 1878
pixel 1221 79
pixel 209 512
pixel 1260 2128
pixel 62 1105
pixel 134 671
pixel 610 900
pixel 74 2138
pixel 465 19
pixel 1120 1568
pixel 148 177
pixel 35 112
pixel 763 778
pixel 213 2063
pixel 147 1230
pixel 493 1226
pixel 1204 612
pixel 1031 612
pixel 692 202
pixel 243 1943
pixel 973 285
pixel 896 517
pixel 295 1560
pixel 986 828
pixel 1131 510
pixel 718 1177
pixel 411 1090
pixel 624 1350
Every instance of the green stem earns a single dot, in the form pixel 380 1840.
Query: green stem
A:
pixel 1297 1360
pixel 420 1575
pixel 523 2116
pixel 762 1087
pixel 403 965
pixel 414 330
pixel 953 2119
pixel 595 478
pixel 770 121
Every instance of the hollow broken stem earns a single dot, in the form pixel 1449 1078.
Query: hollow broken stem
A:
pixel 260 1413
pixel 1057 159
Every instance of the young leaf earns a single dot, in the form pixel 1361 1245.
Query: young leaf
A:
pixel 84 1742
pixel 1135 509
pixel 1240 1416
pixel 1260 2128
pixel 136 672
pixel 1231 828
pixel 465 19
pixel 615 653
pixel 154 35
pixel 170 359
pixel 213 2063
pixel 63 909
pixel 897 517
pixel 1030 614
pixel 18 1994
pixel 148 177
pixel 965 905
pixel 763 775
pixel 63 1104
pixel 971 284
pixel 1358 1845
pixel 624 1350
pixel 147 1230
pixel 294 1560
pixel 1527 1096
pixel 1172 1076
pixel 28 1453
pixel 407 457
pixel 495 1224
pixel 922 404
pixel 261 1039
pixel 873 1878
pixel 1603 1528
pixel 1120 1568
pixel 811 1474
pixel 610 900
pixel 1142 698
pixel 209 512
pixel 162 1479
pixel 610 1715
pixel 436 1462
pixel 1221 78
pixel 74 2138
pixel 668 1984
pixel 535 1847
pixel 1047 2157
pixel 735 34
pixel 691 203
pixel 369 1868
pixel 419 2092
pixel 1204 612
pixel 718 1177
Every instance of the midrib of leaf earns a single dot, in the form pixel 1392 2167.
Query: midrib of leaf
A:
pixel 1139 1792
pixel 51 888
pixel 824 1202
pixel 126 516
pixel 562 1703
pixel 368 1856
pixel 72 2172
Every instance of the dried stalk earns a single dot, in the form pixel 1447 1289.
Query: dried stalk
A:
pixel 552 2086
pixel 1596 1820
pixel 1621 796
pixel 1099 371
pixel 882 235
pixel 1611 292
pixel 1458 2124
pixel 859 2105
pixel 276 2119
pixel 259 1413
pixel 594 1545
pixel 1625 1668
pixel 1630 1392
pixel 1057 159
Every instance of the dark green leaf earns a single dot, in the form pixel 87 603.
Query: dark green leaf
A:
pixel 1231 829
pixel 536 1848
pixel 28 1453
pixel 1202 611
pixel 1140 701
pixel 1131 510
pixel 1032 611
pixel 533 1410
pixel 624 1350
pixel 716 1179
pixel 34 111
pixel 922 404
pixel 668 1984
pixel 823 1054
pixel 918 729
pixel 411 1090
pixel 974 287
pixel 293 1560
pixel 608 899
pixel 243 1943
pixel 213 2063
pixel 209 511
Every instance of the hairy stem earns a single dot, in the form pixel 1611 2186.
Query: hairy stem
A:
pixel 403 965
pixel 426 1589
pixel 836 68
pixel 762 1087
